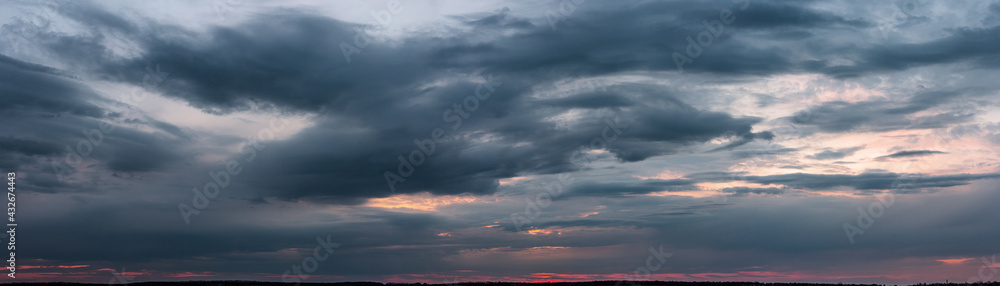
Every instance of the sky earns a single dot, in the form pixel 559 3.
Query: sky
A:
pixel 444 141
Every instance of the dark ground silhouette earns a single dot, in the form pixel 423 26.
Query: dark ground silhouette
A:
pixel 589 283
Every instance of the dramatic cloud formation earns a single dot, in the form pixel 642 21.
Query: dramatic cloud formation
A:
pixel 438 141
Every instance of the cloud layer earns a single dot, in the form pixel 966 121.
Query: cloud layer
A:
pixel 502 141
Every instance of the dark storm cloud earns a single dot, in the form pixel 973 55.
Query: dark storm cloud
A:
pixel 774 15
pixel 742 55
pixel 136 151
pixel 595 100
pixel 34 88
pixel 460 165
pixel 680 123
pixel 35 99
pixel 288 60
pixel 778 22
pixel 643 37
pixel 963 44
pixel 94 16
pixel 631 188
pixel 54 113
pixel 374 108
pixel 311 73
pixel 746 138
pixel 15 152
pixel 149 234
pixel 27 146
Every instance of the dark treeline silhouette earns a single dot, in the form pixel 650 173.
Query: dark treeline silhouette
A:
pixel 588 283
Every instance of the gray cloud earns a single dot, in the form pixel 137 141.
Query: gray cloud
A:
pixel 744 191
pixel 869 181
pixel 835 154
pixel 879 115
pixel 910 153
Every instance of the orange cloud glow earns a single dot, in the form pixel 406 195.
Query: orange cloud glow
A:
pixel 421 201
pixel 954 260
